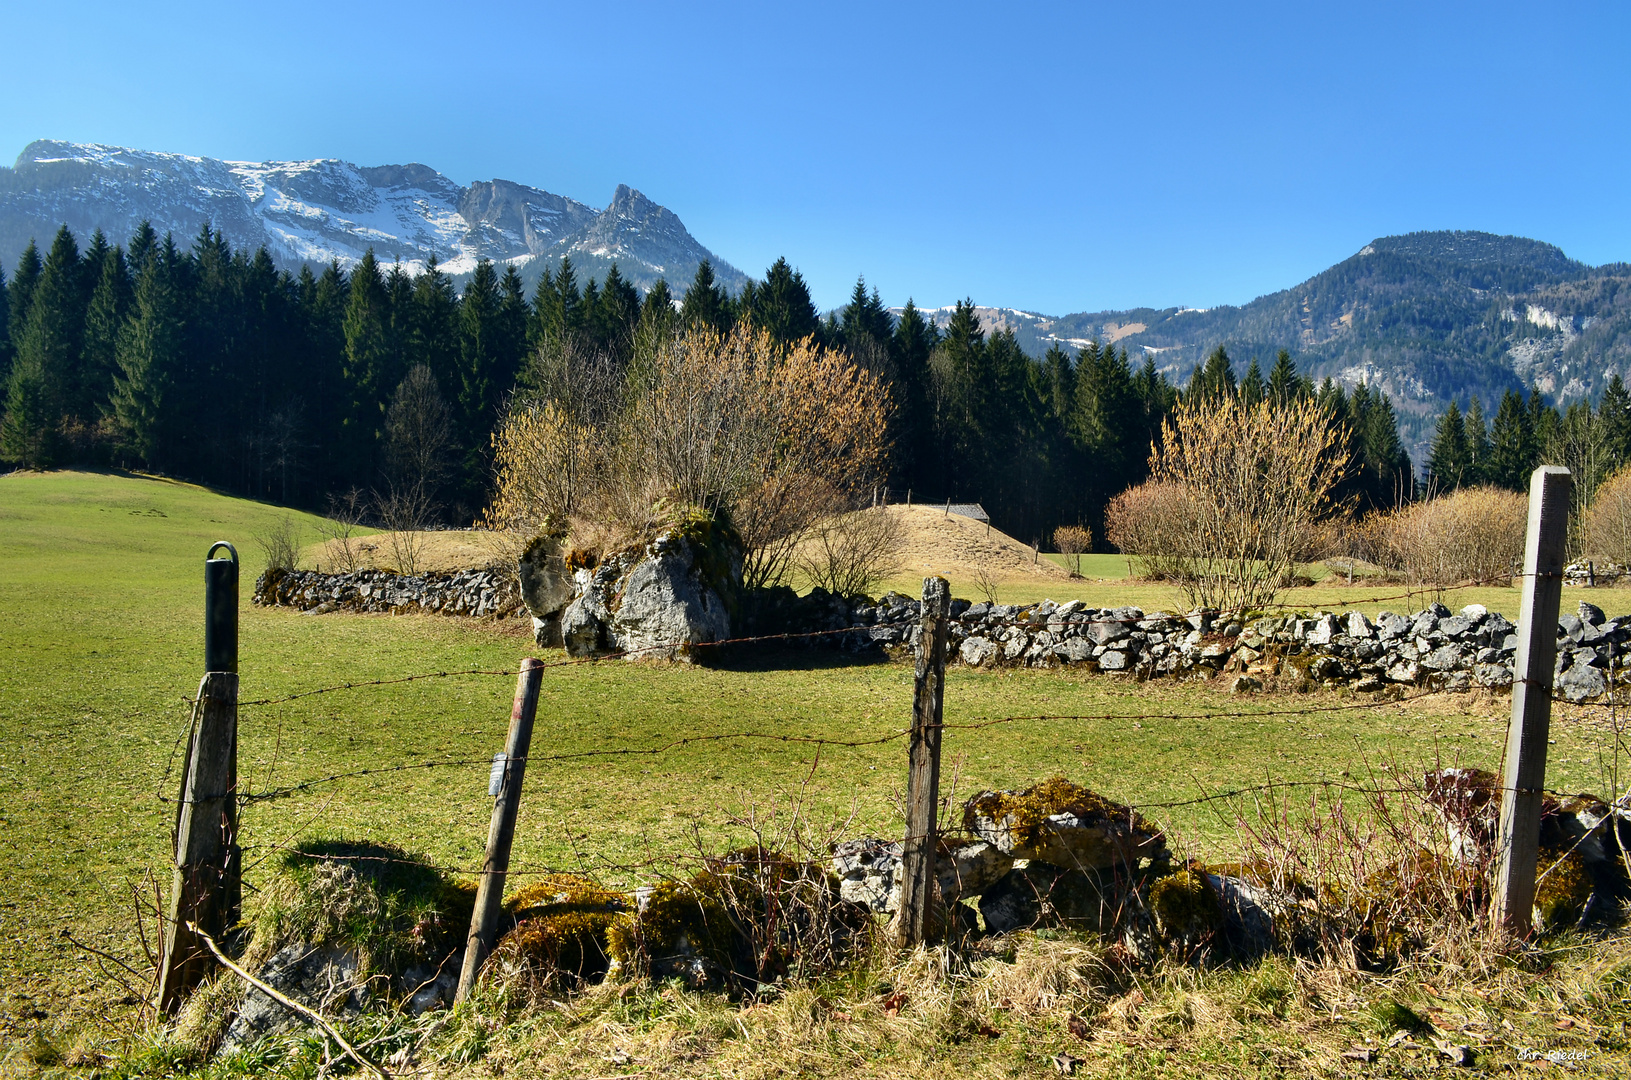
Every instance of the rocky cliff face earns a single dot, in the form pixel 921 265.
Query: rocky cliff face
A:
pixel 315 211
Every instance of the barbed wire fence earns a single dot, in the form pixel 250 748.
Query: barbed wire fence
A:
pixel 924 809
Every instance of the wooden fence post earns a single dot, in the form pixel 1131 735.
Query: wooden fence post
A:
pixel 923 780
pixel 206 889
pixel 1524 775
pixel 507 776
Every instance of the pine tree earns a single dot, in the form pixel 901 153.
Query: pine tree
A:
pixel 1252 388
pixel 1544 421
pixel 1390 474
pixel 1448 461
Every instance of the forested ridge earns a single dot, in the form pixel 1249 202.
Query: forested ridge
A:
pixel 210 364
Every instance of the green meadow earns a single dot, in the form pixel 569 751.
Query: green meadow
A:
pixel 101 589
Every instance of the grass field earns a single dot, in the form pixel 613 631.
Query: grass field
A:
pixel 101 642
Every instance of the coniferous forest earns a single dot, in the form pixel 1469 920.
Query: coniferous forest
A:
pixel 210 364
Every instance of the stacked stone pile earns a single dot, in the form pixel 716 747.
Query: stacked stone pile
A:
pixel 474 593
pixel 1433 647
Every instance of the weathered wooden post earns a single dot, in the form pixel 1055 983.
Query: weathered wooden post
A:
pixel 1524 775
pixel 508 771
pixel 923 756
pixel 206 890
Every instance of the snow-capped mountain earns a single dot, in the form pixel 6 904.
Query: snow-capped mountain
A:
pixel 315 211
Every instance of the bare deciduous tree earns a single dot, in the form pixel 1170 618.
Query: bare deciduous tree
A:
pixel 1252 485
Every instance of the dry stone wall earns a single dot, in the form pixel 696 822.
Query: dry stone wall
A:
pixel 474 593
pixel 1433 647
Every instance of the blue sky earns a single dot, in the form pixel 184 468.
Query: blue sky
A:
pixel 1054 157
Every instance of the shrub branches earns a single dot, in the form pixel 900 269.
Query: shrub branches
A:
pixel 1237 495
pixel 775 437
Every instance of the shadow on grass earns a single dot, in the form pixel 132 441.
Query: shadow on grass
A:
pixel 777 656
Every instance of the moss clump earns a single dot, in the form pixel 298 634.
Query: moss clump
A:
pixel 1392 912
pixel 746 917
pixel 561 933
pixel 1027 812
pixel 1562 895
pixel 1187 909
pixel 388 907
pixel 684 930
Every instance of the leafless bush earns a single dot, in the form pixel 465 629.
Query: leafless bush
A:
pixel 1369 881
pixel 1608 524
pixel 281 544
pixel 1254 481
pixel 774 438
pixel 850 553
pixel 1073 541
pixel 1153 523
pixel 986 582
pixel 1475 534
pixel 405 511
pixel 339 530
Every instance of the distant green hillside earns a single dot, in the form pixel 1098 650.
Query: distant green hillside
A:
pixel 1430 317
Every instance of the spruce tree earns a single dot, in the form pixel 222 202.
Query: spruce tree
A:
pixel 143 247
pixel 705 304
pixel 1512 450
pixel 150 356
pixel 45 371
pixel 1213 380
pixel 367 360
pixel 1448 461
pixel 105 317
pixel 1614 413
pixel 1477 444
pixel 782 305
pixel 1252 387
pixel 480 361
pixel 19 296
pixel 618 313
pixel 1061 382
pixel 431 331
pixel 513 313
pixel 5 328
pixel 1284 380
pixel 911 346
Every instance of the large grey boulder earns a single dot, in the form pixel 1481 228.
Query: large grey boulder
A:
pixel 1582 681
pixel 547 586
pixel 654 602
pixel 325 980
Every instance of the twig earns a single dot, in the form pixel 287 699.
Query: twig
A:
pixel 289 1003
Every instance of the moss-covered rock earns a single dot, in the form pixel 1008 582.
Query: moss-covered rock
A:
pixel 1187 908
pixel 561 936
pixel 1065 824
